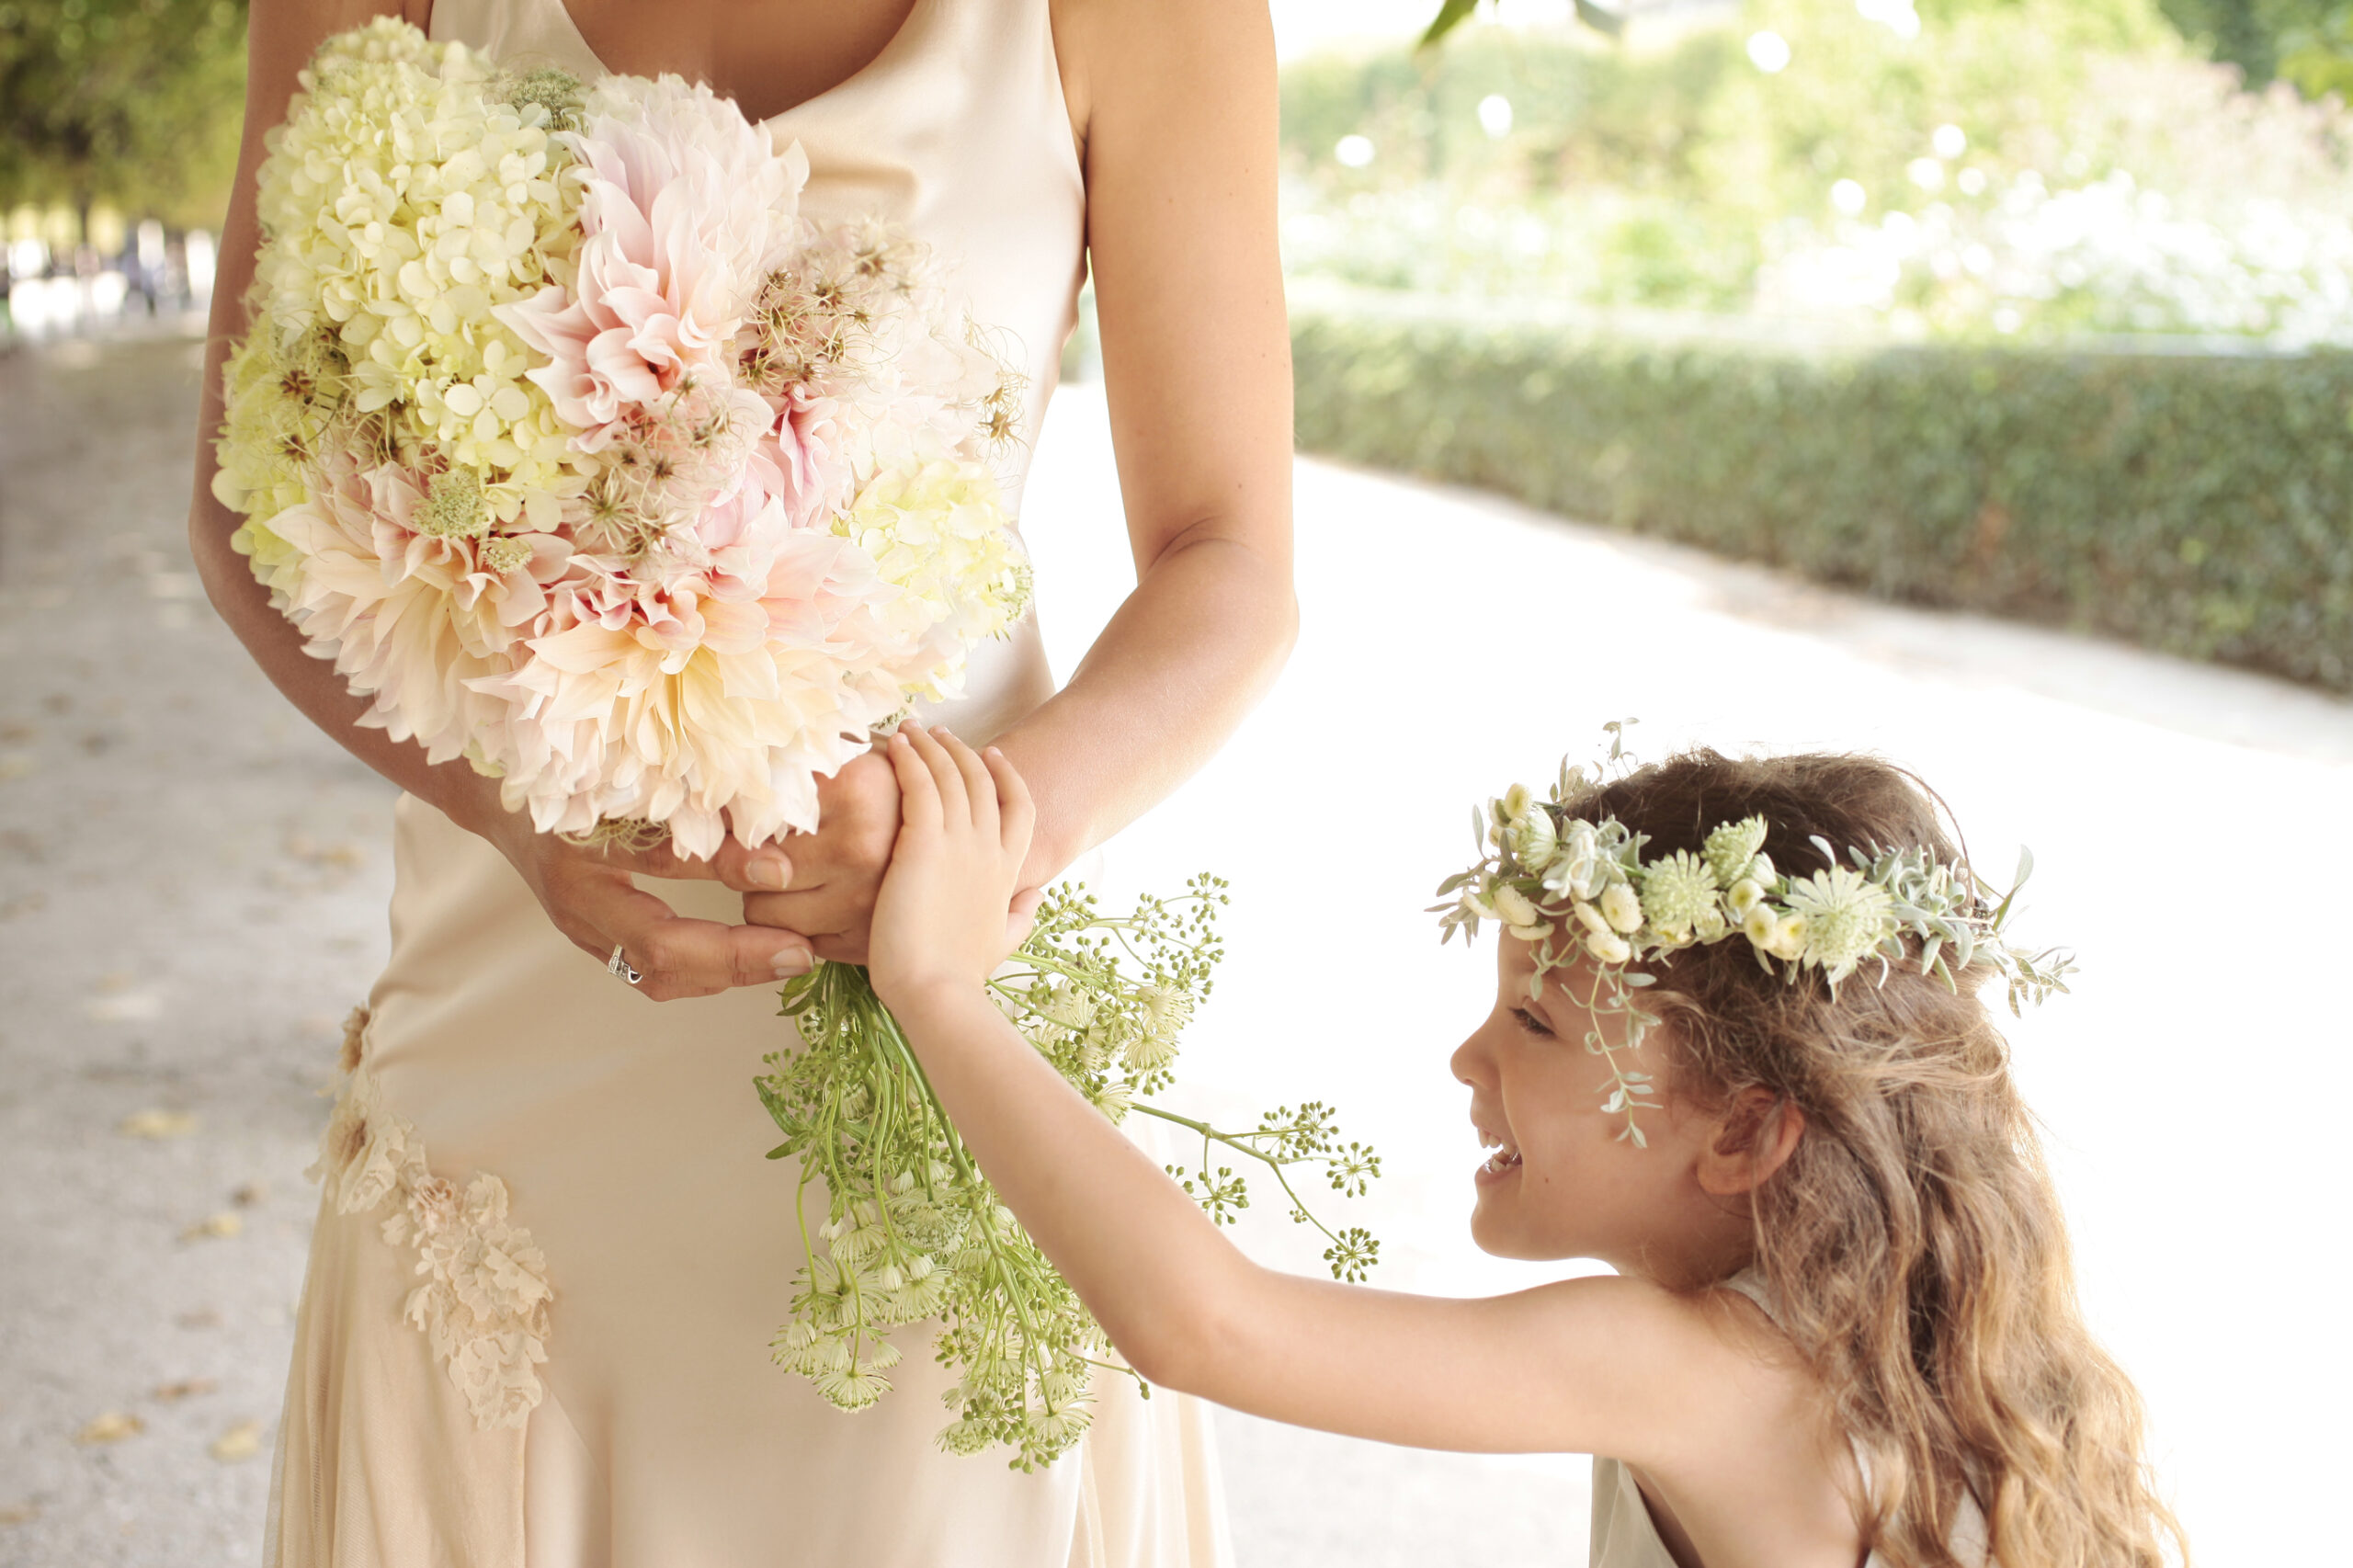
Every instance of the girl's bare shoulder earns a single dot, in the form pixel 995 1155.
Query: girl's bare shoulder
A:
pixel 1709 1366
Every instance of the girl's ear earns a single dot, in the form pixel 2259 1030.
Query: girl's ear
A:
pixel 1756 1133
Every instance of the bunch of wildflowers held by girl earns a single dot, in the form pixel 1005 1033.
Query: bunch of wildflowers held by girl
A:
pixel 910 1232
pixel 1842 1324
pixel 586 456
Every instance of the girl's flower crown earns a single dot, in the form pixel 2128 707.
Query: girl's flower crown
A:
pixel 1573 888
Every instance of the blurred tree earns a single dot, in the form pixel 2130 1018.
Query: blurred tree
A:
pixel 2308 42
pixel 1453 14
pixel 2316 53
pixel 134 103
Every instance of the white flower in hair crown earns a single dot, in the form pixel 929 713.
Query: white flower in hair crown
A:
pixel 1573 887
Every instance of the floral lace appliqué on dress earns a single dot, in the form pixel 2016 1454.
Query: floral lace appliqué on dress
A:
pixel 483 1300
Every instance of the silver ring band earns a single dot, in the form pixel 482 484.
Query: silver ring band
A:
pixel 620 965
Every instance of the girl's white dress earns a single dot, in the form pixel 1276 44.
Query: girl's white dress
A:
pixel 550 1253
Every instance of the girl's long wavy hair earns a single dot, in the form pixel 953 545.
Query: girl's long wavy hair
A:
pixel 1913 1238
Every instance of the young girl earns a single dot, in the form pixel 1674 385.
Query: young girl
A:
pixel 1842 1326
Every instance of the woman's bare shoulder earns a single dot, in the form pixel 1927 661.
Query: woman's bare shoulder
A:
pixel 1110 49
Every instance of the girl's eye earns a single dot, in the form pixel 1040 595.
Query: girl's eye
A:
pixel 1531 1022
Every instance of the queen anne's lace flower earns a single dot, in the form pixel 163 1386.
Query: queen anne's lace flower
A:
pixel 482 1301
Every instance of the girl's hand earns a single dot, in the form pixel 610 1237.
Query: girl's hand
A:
pixel 951 905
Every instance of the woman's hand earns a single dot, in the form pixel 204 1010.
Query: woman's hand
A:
pixel 822 885
pixel 587 891
pixel 951 904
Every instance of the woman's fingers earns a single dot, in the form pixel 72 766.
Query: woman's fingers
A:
pixel 675 957
pixel 766 869
pixel 1022 918
pixel 979 787
pixel 1017 812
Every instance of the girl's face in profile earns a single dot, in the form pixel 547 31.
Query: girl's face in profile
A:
pixel 1559 1181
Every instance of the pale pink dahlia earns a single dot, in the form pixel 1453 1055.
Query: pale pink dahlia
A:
pixel 687 206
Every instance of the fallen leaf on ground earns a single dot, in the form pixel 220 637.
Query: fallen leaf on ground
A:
pixel 158 1124
pixel 19 1514
pixel 342 856
pixel 133 1007
pixel 242 1441
pixel 251 1194
pixel 111 1427
pixel 226 1223
pixel 185 1388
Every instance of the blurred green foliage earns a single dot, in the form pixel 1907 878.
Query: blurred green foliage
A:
pixel 2309 42
pixel 1680 172
pixel 133 103
pixel 2316 49
pixel 1691 117
pixel 2196 504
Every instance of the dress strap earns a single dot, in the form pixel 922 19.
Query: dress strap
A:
pixel 1751 1284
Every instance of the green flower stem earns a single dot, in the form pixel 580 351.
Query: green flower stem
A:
pixel 1239 1140
pixel 982 1199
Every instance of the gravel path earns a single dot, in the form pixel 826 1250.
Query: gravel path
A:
pixel 192 884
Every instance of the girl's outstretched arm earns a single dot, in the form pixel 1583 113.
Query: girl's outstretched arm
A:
pixel 1600 1365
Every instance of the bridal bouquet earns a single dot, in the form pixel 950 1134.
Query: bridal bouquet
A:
pixel 587 457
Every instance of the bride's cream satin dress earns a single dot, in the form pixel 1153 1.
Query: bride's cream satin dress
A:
pixel 550 1253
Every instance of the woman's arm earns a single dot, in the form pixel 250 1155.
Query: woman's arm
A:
pixel 1605 1365
pixel 587 894
pixel 1178 99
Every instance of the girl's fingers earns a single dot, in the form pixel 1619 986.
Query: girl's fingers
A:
pixel 919 805
pixel 1017 812
pixel 954 807
pixel 978 784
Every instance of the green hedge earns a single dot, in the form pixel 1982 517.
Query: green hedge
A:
pixel 2200 504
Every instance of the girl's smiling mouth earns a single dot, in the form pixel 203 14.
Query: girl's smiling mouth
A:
pixel 1503 1158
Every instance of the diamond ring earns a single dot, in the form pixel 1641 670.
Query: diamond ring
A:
pixel 618 965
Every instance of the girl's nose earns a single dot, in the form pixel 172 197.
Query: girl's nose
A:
pixel 1470 1063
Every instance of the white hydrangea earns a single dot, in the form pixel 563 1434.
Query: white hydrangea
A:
pixel 403 201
